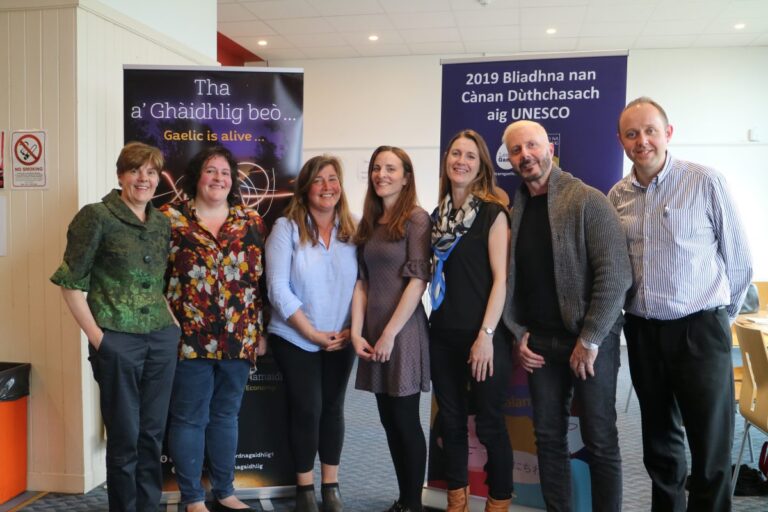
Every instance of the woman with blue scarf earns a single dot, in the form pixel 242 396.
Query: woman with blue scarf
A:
pixel 470 358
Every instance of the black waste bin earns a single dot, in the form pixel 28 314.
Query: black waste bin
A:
pixel 14 389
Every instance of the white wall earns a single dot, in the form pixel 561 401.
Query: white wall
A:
pixel 713 96
pixel 190 22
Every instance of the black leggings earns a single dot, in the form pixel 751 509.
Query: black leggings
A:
pixel 405 437
pixel 459 395
pixel 316 383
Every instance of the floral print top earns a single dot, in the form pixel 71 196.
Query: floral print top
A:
pixel 215 285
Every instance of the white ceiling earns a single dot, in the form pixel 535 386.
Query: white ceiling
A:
pixel 315 29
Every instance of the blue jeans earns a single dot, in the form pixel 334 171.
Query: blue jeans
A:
pixel 552 388
pixel 205 404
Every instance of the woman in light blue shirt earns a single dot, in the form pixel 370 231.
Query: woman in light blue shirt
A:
pixel 311 273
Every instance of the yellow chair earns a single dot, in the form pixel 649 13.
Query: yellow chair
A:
pixel 753 401
pixel 762 293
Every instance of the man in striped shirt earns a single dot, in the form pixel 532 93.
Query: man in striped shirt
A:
pixel 691 267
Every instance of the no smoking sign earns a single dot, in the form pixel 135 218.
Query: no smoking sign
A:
pixel 28 153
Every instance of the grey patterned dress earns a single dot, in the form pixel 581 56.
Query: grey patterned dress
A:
pixel 387 267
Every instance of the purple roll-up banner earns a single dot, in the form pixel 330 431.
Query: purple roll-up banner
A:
pixel 578 99
pixel 257 113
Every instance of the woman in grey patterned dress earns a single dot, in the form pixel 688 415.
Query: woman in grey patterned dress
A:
pixel 389 327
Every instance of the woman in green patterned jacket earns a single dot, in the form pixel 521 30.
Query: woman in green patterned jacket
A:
pixel 117 251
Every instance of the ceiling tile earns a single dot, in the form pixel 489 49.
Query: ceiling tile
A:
pixel 611 29
pixel 597 13
pixel 412 6
pixel 423 20
pixel 605 43
pixel 252 43
pixel 660 28
pixel 710 40
pixel 487 17
pixel 346 7
pixel 361 22
pixel 724 25
pixel 747 9
pixel 281 53
pixel 331 52
pixel 301 26
pixel 668 41
pixel 233 12
pixel 548 45
pixel 244 28
pixel 430 48
pixel 468 5
pixel 318 40
pixel 699 10
pixel 489 33
pixel 552 3
pixel 498 46
pixel 542 16
pixel 539 30
pixel 277 9
pixel 386 37
pixel 382 50
pixel 431 35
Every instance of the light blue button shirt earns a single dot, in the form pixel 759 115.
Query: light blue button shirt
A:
pixel 317 279
pixel 686 242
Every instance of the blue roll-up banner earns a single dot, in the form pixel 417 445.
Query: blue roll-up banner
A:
pixel 257 113
pixel 578 99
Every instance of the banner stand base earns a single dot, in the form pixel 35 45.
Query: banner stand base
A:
pixel 172 499
pixel 436 498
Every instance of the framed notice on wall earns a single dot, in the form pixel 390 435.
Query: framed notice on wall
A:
pixel 28 167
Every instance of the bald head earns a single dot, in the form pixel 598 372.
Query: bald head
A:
pixel 530 154
pixel 531 127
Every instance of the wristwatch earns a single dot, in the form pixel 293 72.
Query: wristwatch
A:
pixel 488 330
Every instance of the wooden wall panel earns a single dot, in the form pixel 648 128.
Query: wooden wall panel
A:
pixel 61 71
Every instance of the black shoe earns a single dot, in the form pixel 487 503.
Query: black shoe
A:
pixel 218 507
pixel 398 507
pixel 332 499
pixel 305 501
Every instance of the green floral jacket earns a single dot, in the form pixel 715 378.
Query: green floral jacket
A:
pixel 120 261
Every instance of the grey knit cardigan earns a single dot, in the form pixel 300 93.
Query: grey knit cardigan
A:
pixel 592 269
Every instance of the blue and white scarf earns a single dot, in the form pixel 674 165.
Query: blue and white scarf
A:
pixel 448 226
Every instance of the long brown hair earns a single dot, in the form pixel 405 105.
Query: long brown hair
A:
pixel 298 209
pixel 484 185
pixel 373 207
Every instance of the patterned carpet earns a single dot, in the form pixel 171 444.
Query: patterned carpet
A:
pixel 368 483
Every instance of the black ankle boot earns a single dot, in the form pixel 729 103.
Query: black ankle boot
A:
pixel 332 499
pixel 305 500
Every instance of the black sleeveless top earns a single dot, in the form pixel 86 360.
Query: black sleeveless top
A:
pixel 468 276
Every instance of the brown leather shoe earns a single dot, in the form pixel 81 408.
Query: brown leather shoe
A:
pixel 458 500
pixel 493 505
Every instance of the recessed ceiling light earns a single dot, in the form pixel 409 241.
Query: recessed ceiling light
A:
pixel 373 37
pixel 261 42
pixel 739 26
pixel 551 31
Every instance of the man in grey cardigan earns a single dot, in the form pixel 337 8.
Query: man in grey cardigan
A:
pixel 568 276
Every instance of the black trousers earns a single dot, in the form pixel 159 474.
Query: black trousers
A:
pixel 459 396
pixel 400 417
pixel 316 383
pixel 135 375
pixel 683 375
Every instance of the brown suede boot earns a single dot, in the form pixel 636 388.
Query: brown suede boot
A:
pixel 458 500
pixel 493 505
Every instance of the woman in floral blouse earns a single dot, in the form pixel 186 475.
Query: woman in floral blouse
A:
pixel 213 288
